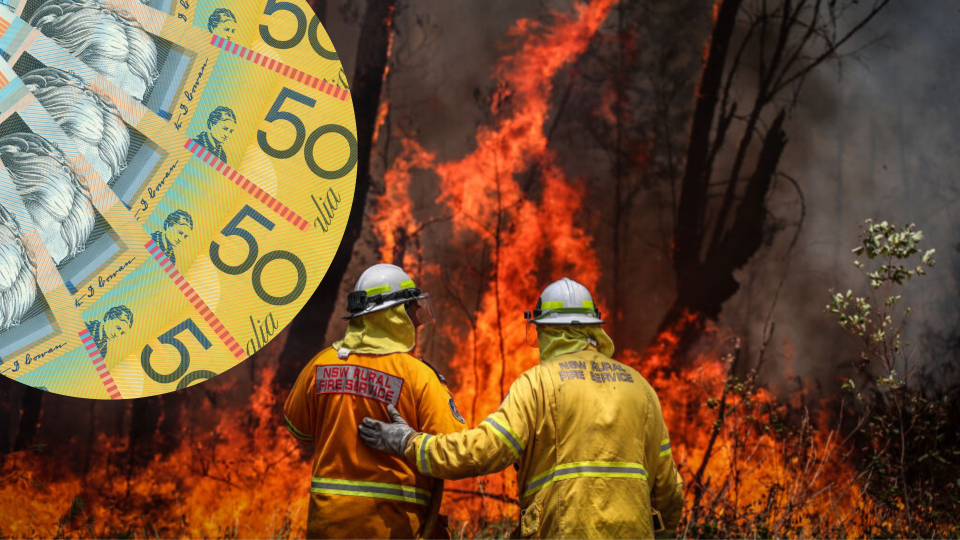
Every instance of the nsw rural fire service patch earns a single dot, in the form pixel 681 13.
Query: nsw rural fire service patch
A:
pixel 456 413
pixel 359 381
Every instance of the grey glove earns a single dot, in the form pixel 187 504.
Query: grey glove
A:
pixel 391 438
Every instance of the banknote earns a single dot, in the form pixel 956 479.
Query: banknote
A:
pixel 287 31
pixel 38 322
pixel 233 240
pixel 142 338
pixel 279 127
pixel 271 274
pixel 63 94
pixel 318 159
pixel 41 328
pixel 137 153
pixel 116 343
pixel 300 135
pixel 147 67
pixel 59 189
pixel 300 131
pixel 90 235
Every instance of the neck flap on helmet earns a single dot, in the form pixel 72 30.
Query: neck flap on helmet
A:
pixel 555 340
pixel 382 332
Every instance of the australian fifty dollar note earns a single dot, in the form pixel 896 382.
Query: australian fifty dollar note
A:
pixel 289 31
pixel 125 291
pixel 323 186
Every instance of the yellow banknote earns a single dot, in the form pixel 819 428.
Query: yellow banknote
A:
pixel 115 45
pixel 142 338
pixel 89 234
pixel 144 157
pixel 316 256
pixel 247 189
pixel 284 30
pixel 320 126
pixel 38 322
pixel 136 152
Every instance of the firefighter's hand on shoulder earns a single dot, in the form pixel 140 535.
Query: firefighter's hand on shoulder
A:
pixel 391 438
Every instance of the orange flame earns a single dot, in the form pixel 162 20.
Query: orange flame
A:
pixel 248 478
pixel 488 204
pixel 244 478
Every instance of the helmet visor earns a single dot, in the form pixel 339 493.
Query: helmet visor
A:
pixel 421 310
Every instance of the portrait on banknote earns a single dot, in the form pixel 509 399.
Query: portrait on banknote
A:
pixel 116 322
pixel 221 123
pixel 37 322
pixel 18 273
pixel 90 119
pixel 222 22
pixel 107 41
pixel 176 228
pixel 114 44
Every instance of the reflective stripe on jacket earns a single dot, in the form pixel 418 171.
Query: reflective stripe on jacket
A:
pixel 357 492
pixel 593 451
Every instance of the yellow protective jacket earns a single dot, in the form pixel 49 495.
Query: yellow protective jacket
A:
pixel 355 491
pixel 592 448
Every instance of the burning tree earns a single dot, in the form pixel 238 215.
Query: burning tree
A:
pixel 508 213
pixel 586 117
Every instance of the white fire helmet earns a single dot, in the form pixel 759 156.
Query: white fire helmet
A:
pixel 385 285
pixel 565 302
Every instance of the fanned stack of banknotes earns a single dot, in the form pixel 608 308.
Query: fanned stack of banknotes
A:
pixel 175 178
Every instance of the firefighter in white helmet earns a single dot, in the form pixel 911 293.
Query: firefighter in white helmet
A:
pixel 585 431
pixel 357 492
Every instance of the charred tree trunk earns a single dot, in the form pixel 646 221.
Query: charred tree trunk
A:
pixel 372 54
pixel 689 233
pixel 30 411
pixel 785 41
pixel 320 8
pixel 7 415
pixel 618 174
pixel 704 284
pixel 170 427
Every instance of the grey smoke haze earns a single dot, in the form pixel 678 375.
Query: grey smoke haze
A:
pixel 873 137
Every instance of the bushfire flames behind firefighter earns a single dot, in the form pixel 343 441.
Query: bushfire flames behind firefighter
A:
pixel 357 492
pixel 585 432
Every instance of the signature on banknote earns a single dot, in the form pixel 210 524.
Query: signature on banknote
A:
pixel 193 89
pixel 154 191
pixel 28 359
pixel 185 5
pixel 103 282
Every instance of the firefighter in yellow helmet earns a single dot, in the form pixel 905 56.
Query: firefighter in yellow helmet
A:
pixel 357 492
pixel 586 432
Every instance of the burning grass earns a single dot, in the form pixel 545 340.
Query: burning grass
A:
pixel 752 467
pixel 243 478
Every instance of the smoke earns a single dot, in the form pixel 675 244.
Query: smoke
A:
pixel 871 138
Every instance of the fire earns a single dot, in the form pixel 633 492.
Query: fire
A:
pixel 392 220
pixel 382 111
pixel 781 481
pixel 489 206
pixel 245 477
